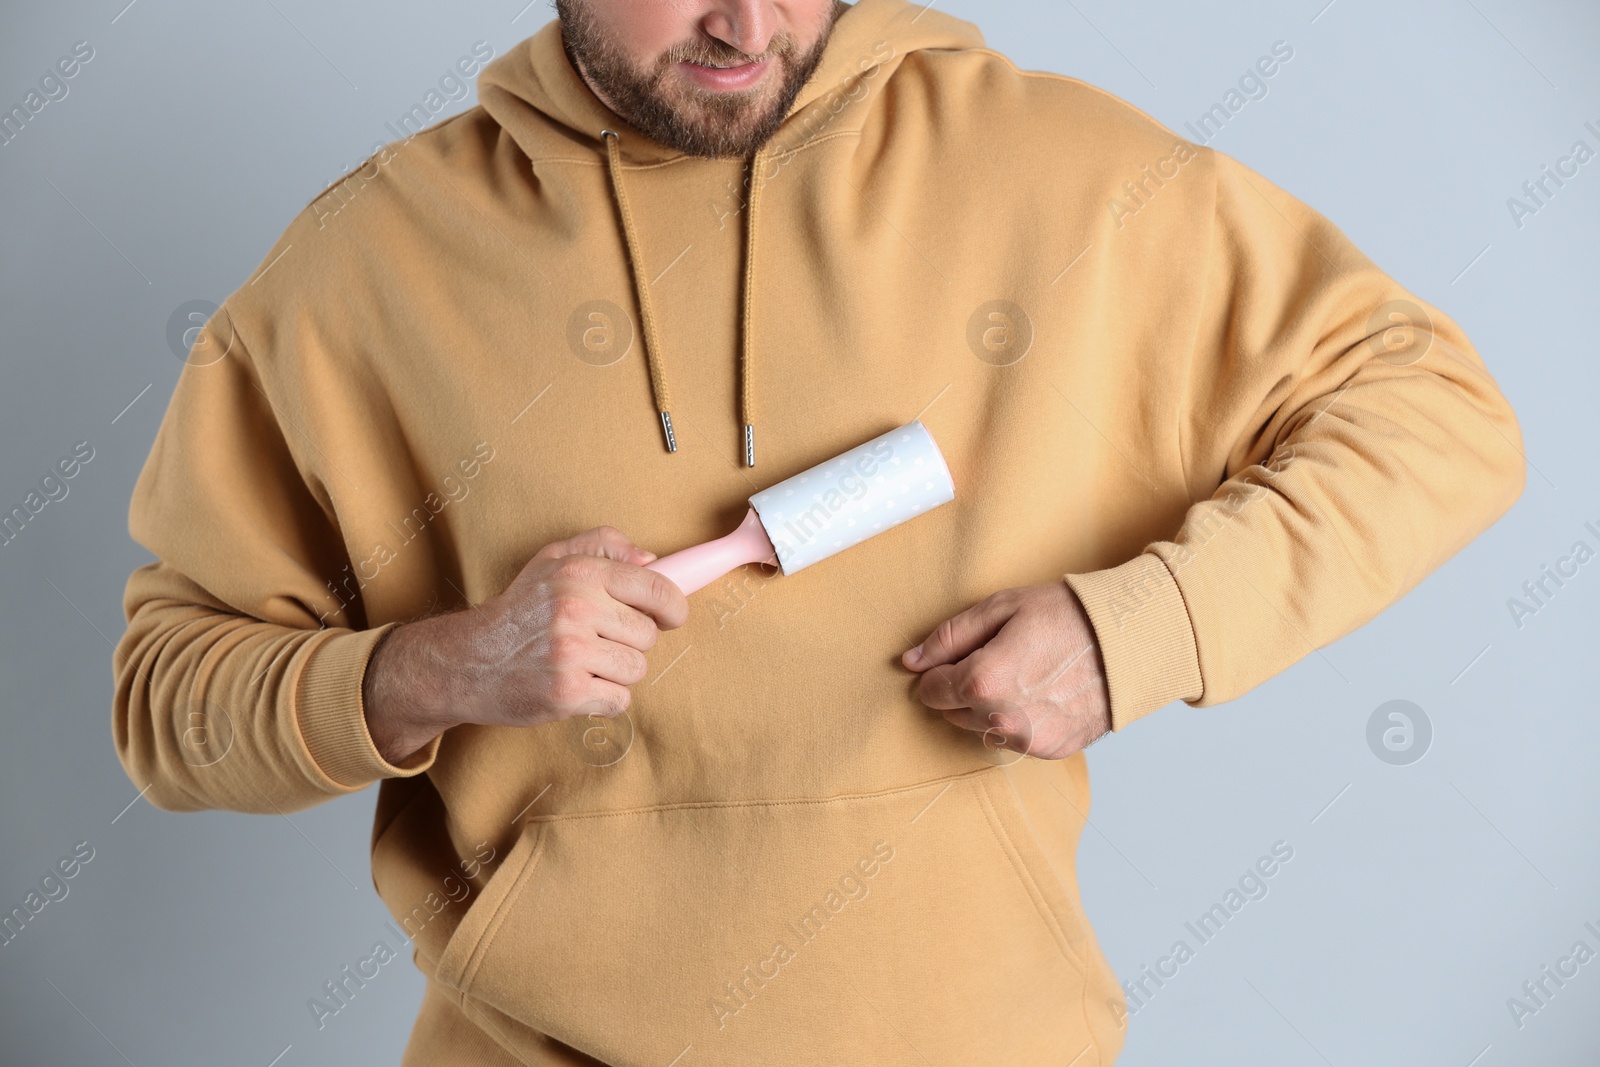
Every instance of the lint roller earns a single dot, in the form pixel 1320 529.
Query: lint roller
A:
pixel 826 509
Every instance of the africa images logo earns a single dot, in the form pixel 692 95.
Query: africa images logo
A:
pixel 200 333
pixel 599 333
pixel 999 333
pixel 204 732
pixel 1399 733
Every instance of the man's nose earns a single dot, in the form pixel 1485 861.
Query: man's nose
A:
pixel 747 25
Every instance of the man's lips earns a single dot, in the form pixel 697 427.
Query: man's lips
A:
pixel 724 80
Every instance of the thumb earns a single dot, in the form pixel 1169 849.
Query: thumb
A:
pixel 605 541
pixel 960 635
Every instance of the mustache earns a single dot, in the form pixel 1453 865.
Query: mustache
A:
pixel 719 54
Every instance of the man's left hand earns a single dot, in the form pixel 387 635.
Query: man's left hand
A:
pixel 1022 668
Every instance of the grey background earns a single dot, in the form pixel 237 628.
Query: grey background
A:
pixel 1415 904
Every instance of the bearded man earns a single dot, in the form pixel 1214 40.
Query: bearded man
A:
pixel 678 253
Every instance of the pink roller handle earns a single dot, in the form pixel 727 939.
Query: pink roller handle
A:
pixel 697 567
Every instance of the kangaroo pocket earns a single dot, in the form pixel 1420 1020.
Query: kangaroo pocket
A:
pixel 899 927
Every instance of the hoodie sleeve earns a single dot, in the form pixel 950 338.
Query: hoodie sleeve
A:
pixel 238 679
pixel 1342 438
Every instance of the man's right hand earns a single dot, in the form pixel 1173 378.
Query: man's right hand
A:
pixel 566 638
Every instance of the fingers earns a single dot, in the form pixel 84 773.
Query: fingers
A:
pixel 626 625
pixel 962 634
pixel 612 662
pixel 592 608
pixel 966 684
pixel 604 541
pixel 584 674
pixel 593 696
pixel 648 591
pixel 1012 728
pixel 607 560
pixel 1022 669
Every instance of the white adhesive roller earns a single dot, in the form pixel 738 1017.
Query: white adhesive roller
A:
pixel 846 500
pixel 826 509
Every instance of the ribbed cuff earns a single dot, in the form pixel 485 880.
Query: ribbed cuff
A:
pixel 332 719
pixel 1146 640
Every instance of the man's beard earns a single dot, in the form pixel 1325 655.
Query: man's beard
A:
pixel 661 104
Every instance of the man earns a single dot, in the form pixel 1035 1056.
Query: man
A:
pixel 680 253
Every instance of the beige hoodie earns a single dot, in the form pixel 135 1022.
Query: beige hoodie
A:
pixel 1151 371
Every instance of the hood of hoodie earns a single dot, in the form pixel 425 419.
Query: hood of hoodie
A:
pixel 543 103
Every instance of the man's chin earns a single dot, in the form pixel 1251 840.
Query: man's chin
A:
pixel 716 142
pixel 722 123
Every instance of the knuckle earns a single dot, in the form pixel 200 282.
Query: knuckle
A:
pixel 576 567
pixel 633 664
pixel 568 607
pixel 551 552
pixel 1019 727
pixel 564 648
pixel 981 685
pixel 1000 725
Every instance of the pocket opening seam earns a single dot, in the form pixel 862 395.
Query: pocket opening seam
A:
pixel 1025 878
pixel 1028 883
pixel 1076 916
pixel 502 908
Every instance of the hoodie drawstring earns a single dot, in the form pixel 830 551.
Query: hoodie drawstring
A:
pixel 641 285
pixel 652 350
pixel 747 396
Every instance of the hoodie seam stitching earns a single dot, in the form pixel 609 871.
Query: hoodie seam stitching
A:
pixel 797 149
pixel 657 165
pixel 1027 883
pixel 396 146
pixel 503 907
pixel 601 163
pixel 782 803
pixel 1034 893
